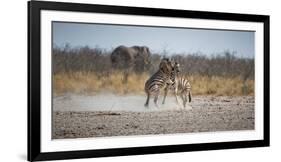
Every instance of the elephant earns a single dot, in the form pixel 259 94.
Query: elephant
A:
pixel 127 59
pixel 136 57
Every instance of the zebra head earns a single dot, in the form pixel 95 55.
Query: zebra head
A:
pixel 176 67
pixel 166 66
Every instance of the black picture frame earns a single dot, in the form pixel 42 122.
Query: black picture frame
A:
pixel 34 81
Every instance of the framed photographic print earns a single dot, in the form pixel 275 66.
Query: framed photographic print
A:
pixel 115 80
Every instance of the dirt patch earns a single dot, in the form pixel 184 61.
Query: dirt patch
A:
pixel 208 114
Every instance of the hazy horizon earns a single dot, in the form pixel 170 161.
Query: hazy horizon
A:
pixel 172 40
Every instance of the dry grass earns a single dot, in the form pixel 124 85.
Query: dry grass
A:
pixel 221 86
pixel 92 83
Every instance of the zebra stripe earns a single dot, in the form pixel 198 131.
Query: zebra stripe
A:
pixel 180 86
pixel 158 80
pixel 183 84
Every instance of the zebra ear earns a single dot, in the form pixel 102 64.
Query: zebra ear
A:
pixel 161 65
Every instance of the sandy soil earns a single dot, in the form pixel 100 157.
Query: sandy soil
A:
pixel 99 116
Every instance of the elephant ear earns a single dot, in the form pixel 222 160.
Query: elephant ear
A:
pixel 146 50
pixel 137 48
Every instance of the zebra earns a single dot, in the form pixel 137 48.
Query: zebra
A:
pixel 180 86
pixel 158 80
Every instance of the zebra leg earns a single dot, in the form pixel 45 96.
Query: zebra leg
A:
pixel 156 98
pixel 184 96
pixel 176 95
pixel 183 99
pixel 147 100
pixel 165 94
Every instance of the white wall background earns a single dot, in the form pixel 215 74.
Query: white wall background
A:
pixel 13 82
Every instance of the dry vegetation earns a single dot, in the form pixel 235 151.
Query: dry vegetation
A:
pixel 88 71
pixel 91 83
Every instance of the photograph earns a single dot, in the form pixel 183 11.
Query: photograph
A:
pixel 120 80
pixel 113 80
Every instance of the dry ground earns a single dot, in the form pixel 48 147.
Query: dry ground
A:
pixel 208 114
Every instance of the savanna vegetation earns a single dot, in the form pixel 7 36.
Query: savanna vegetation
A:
pixel 87 70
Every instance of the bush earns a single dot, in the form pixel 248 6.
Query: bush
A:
pixel 89 70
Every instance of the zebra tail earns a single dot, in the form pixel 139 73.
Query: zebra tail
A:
pixel 189 96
